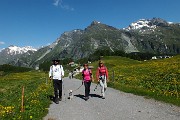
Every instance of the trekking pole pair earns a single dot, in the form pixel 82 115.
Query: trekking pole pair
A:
pixel 96 86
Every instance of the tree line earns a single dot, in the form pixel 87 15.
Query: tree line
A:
pixel 97 56
pixel 92 57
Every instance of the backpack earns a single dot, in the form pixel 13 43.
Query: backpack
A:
pixel 89 73
pixel 102 70
pixel 59 67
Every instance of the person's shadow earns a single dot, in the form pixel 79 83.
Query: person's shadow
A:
pixel 91 95
pixel 95 95
pixel 80 96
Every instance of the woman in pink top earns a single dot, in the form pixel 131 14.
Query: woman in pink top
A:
pixel 87 79
pixel 102 77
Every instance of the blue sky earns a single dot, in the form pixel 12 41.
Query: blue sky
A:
pixel 40 22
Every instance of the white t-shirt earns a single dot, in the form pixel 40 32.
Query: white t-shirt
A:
pixel 56 72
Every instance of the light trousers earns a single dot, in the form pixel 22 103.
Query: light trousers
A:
pixel 103 84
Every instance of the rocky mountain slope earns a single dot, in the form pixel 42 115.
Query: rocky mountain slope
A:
pixel 153 35
pixel 14 53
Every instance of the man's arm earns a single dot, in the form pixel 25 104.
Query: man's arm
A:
pixel 62 71
pixel 50 73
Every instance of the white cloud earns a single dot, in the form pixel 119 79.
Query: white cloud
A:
pixel 2 43
pixel 56 2
pixel 67 7
pixel 60 3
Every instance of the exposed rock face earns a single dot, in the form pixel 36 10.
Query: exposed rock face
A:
pixel 152 35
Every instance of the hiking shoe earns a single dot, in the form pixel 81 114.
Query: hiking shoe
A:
pixel 103 97
pixel 60 99
pixel 86 98
pixel 57 102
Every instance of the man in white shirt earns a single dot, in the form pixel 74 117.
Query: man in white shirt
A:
pixel 56 74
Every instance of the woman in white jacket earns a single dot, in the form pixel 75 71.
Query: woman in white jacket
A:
pixel 56 74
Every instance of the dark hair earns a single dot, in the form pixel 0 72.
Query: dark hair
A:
pixel 85 64
pixel 56 61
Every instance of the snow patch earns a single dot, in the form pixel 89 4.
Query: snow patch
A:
pixel 13 50
pixel 140 24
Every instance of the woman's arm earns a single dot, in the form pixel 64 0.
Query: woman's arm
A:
pixel 107 76
pixel 97 74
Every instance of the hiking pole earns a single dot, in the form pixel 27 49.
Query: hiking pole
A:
pixel 64 92
pixel 96 86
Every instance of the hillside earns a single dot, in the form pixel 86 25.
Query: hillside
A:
pixel 159 79
pixel 13 53
pixel 36 95
pixel 162 39
pixel 155 36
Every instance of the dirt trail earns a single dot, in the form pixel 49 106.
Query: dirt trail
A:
pixel 117 106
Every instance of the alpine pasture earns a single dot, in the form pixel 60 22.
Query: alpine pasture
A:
pixel 36 92
pixel 158 79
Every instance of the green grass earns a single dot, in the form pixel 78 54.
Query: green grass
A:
pixel 36 94
pixel 158 79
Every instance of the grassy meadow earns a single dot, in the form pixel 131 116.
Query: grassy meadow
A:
pixel 158 79
pixel 36 92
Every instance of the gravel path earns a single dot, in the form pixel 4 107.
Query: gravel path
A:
pixel 117 106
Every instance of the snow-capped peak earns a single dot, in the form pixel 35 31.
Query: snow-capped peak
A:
pixel 147 23
pixel 13 50
pixel 140 24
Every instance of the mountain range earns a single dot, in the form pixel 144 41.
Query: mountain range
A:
pixel 145 35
